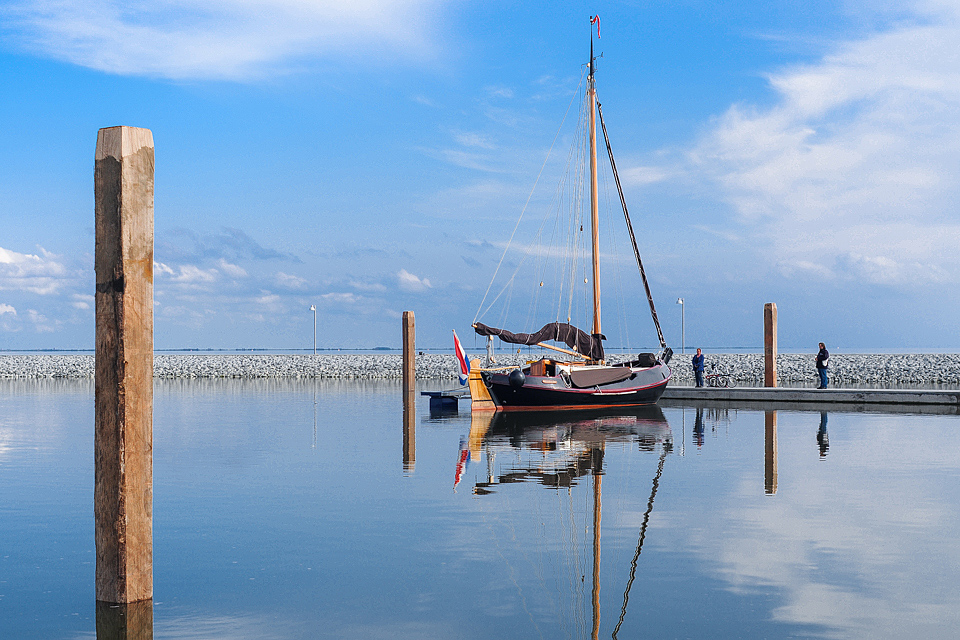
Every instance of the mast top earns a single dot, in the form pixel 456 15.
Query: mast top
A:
pixel 593 20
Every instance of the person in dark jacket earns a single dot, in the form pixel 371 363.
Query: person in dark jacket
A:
pixel 698 367
pixel 823 362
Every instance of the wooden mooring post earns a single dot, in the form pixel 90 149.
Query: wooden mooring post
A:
pixel 770 344
pixel 409 353
pixel 123 429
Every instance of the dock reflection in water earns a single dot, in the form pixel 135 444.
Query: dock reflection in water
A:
pixel 292 510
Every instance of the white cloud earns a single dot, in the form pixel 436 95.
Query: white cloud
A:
pixel 6 308
pixel 268 299
pixel 231 39
pixel 411 283
pixel 231 269
pixel 500 92
pixel 289 281
pixel 342 298
pixel 40 322
pixel 856 165
pixel 367 286
pixel 189 274
pixel 27 272
pixel 643 176
pixel 471 139
pixel 82 301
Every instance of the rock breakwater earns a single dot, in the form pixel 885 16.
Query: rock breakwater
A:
pixel 881 370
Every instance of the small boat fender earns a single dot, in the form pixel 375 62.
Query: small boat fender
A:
pixel 517 379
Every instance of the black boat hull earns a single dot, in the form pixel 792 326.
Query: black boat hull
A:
pixel 553 393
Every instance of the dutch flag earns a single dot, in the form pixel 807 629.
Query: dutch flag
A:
pixel 462 359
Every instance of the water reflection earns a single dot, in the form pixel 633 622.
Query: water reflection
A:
pixel 698 428
pixel 823 440
pixel 770 452
pixel 260 535
pixel 132 621
pixel 409 432
pixel 557 450
pixel 564 445
pixel 667 447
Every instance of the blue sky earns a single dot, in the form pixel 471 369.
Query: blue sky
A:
pixel 373 158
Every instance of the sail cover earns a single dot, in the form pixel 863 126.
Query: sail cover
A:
pixel 584 343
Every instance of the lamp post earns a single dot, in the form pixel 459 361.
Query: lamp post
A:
pixel 313 308
pixel 682 333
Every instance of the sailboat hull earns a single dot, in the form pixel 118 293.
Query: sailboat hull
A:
pixel 553 393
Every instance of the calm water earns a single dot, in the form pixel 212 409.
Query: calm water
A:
pixel 298 510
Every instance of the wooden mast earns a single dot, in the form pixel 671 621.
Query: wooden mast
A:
pixel 594 209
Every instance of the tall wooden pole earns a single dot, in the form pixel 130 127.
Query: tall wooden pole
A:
pixel 409 353
pixel 594 206
pixel 123 440
pixel 770 344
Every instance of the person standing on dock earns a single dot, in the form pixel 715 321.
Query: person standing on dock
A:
pixel 823 361
pixel 698 367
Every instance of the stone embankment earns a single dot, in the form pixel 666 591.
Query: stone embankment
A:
pixel 746 369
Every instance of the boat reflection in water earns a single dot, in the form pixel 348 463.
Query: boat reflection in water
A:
pixel 556 450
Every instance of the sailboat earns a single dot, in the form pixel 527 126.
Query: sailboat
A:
pixel 580 377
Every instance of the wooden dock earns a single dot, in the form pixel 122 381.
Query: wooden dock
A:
pixel 446 400
pixel 922 400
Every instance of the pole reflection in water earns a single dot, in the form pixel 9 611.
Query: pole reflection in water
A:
pixel 409 431
pixel 770 452
pixel 823 440
pixel 556 450
pixel 132 621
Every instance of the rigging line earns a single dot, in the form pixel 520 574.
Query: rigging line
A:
pixel 543 252
pixel 643 534
pixel 571 204
pixel 535 182
pixel 618 271
pixel 561 237
pixel 565 214
pixel 508 285
pixel 576 204
pixel 566 564
pixel 609 242
pixel 633 239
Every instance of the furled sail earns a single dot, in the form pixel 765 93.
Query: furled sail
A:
pixel 588 345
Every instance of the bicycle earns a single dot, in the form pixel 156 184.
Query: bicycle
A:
pixel 724 380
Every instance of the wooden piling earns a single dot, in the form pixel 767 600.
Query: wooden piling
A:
pixel 123 438
pixel 770 344
pixel 409 354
